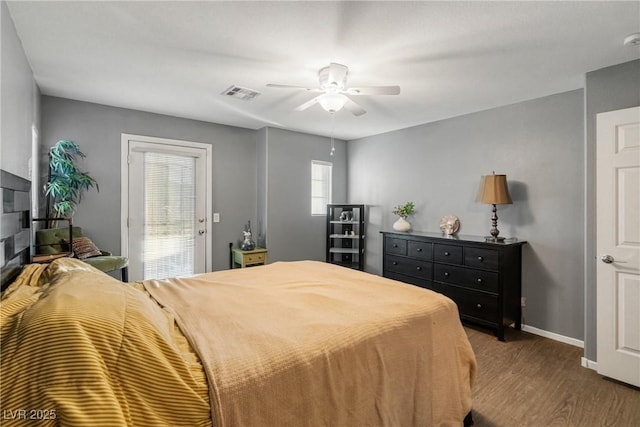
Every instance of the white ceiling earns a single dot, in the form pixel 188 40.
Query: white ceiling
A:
pixel 449 58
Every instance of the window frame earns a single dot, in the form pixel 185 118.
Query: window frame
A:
pixel 329 196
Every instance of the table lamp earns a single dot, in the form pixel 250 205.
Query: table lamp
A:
pixel 494 191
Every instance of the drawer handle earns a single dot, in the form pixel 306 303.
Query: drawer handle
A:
pixel 419 268
pixel 479 279
pixel 479 305
pixel 446 254
pixel 480 258
pixel 395 245
pixel 446 273
pixel 395 263
pixel 419 249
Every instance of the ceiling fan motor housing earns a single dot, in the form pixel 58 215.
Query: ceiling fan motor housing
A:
pixel 334 77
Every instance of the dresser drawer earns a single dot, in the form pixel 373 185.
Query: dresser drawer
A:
pixel 447 253
pixel 421 282
pixel 469 278
pixel 408 266
pixel 255 258
pixel 421 250
pixel 476 305
pixel 481 258
pixel 395 246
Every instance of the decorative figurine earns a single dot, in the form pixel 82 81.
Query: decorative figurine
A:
pixel 247 243
pixel 346 216
pixel 449 224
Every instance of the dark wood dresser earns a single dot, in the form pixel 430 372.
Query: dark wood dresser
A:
pixel 483 278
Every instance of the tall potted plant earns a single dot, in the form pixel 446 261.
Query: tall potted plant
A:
pixel 67 182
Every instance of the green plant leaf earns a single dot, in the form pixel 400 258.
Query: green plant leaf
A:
pixel 67 182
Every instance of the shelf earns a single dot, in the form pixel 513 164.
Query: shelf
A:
pixel 354 265
pixel 344 250
pixel 342 247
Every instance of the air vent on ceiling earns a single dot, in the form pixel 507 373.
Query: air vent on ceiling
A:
pixel 240 93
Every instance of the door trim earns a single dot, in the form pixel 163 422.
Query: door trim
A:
pixel 124 188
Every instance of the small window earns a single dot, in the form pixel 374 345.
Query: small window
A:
pixel 320 187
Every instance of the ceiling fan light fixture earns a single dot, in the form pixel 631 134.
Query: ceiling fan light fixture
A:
pixel 332 102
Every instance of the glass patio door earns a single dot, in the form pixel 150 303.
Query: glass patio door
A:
pixel 167 218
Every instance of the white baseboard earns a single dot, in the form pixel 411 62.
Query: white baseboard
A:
pixel 589 364
pixel 556 337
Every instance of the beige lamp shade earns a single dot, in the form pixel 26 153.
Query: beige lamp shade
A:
pixel 494 190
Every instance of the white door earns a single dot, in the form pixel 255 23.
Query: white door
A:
pixel 618 244
pixel 167 206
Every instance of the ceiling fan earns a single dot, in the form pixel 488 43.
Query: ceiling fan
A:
pixel 336 94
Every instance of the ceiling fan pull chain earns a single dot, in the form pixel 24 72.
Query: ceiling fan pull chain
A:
pixel 333 121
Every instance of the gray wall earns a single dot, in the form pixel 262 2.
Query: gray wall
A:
pixel 20 101
pixel 292 232
pixel 97 130
pixel 262 176
pixel 608 89
pixel 539 144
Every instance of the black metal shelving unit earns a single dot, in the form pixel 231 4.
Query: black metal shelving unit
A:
pixel 346 235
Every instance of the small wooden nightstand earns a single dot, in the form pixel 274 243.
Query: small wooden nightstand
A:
pixel 243 259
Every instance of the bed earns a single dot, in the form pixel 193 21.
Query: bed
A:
pixel 287 344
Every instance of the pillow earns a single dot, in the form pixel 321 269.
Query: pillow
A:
pixel 84 248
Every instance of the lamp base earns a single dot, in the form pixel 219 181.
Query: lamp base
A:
pixel 496 239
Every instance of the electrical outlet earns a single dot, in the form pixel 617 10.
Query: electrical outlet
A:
pixel 523 301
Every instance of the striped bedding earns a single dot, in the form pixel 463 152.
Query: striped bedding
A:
pixel 80 348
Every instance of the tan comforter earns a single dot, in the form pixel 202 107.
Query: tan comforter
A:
pixel 313 344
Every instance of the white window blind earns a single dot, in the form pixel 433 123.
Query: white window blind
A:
pixel 320 186
pixel 169 216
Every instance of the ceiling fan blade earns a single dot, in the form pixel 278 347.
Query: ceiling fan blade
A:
pixel 354 108
pixel 307 104
pixel 294 87
pixel 374 90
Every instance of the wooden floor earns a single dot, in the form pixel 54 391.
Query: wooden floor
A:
pixel 531 381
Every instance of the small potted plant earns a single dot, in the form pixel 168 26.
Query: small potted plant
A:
pixel 403 211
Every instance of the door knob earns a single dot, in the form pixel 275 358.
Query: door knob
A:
pixel 607 259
